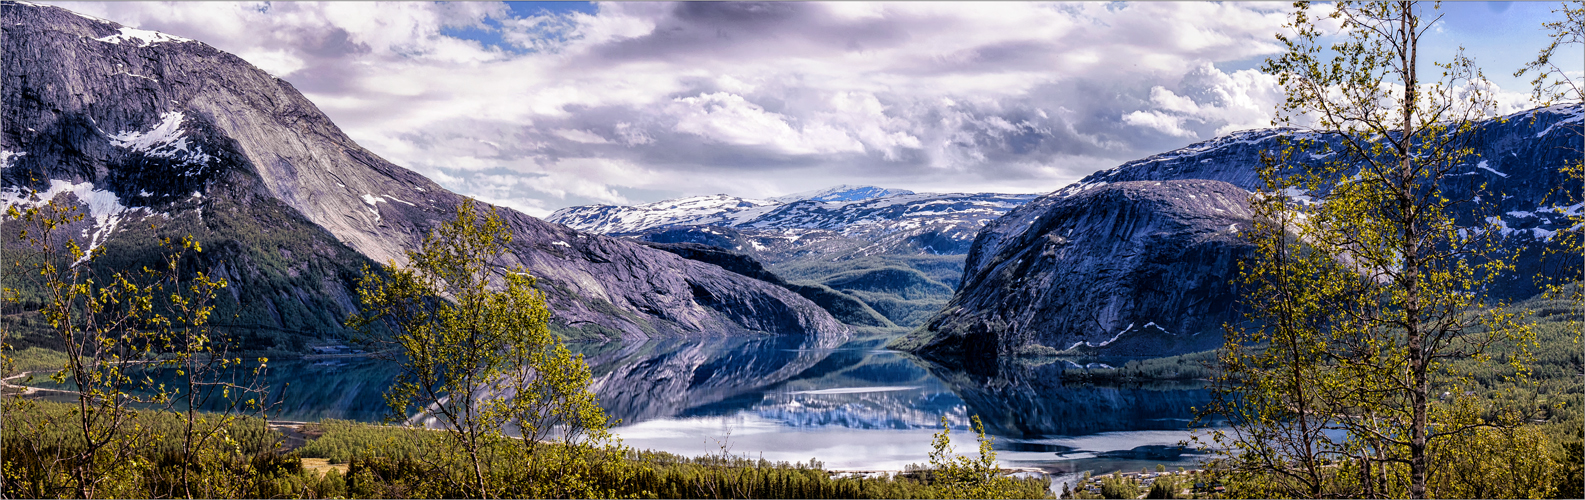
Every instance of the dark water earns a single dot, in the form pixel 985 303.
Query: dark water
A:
pixel 849 403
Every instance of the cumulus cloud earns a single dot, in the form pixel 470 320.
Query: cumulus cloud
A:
pixel 634 102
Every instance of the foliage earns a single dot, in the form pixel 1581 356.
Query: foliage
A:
pixel 1189 366
pixel 114 326
pixel 1485 462
pixel 36 359
pixel 1364 291
pixel 385 462
pixel 33 442
pixel 1551 83
pixel 1166 487
pixel 341 441
pixel 957 476
pixel 1117 486
pixel 477 358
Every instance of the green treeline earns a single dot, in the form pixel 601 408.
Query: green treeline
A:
pixel 393 462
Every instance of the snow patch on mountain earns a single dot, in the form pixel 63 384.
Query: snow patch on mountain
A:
pixel 165 140
pixel 1576 113
pixel 141 38
pixel 710 210
pixel 104 207
pixel 7 156
pixel 1482 165
pixel 843 192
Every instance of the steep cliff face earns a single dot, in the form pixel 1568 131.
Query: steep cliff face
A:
pixel 1109 266
pixel 138 123
pixel 1150 293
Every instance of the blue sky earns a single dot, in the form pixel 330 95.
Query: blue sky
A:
pixel 488 32
pixel 539 106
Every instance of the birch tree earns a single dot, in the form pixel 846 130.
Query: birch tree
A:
pixel 1368 278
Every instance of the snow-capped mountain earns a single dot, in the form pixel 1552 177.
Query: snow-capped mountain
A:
pixel 710 210
pixel 896 251
pixel 876 220
pixel 842 192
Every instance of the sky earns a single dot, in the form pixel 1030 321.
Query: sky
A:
pixel 544 105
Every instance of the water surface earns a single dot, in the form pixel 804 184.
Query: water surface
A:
pixel 856 406
pixel 848 403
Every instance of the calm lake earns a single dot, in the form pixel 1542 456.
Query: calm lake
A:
pixel 849 403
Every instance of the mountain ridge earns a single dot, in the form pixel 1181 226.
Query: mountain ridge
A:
pixel 1510 181
pixel 155 124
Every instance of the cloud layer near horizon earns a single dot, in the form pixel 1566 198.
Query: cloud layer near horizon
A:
pixel 638 102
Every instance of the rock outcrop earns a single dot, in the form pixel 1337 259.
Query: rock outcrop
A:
pixel 1113 263
pixel 150 125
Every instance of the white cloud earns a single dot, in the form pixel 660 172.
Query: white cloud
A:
pixel 730 119
pixel 582 136
pixel 640 101
pixel 1161 122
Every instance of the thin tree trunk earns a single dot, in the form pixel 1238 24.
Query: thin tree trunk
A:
pixel 1411 258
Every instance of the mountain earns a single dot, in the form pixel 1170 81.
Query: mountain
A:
pixel 843 307
pixel 902 243
pixel 1138 260
pixel 842 192
pixel 872 220
pixel 1141 258
pixel 142 127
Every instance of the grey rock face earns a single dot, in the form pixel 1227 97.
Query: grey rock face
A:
pixel 1514 175
pixel 1112 262
pixel 163 125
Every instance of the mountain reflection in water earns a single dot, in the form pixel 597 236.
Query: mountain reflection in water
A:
pixel 848 402
pixel 859 407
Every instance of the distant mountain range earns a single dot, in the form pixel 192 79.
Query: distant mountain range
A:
pixel 892 221
pixel 139 128
pixel 898 252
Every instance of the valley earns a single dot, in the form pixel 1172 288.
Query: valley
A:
pixel 1081 325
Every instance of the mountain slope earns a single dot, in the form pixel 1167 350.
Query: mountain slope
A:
pixel 150 125
pixel 1063 273
pixel 1107 264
